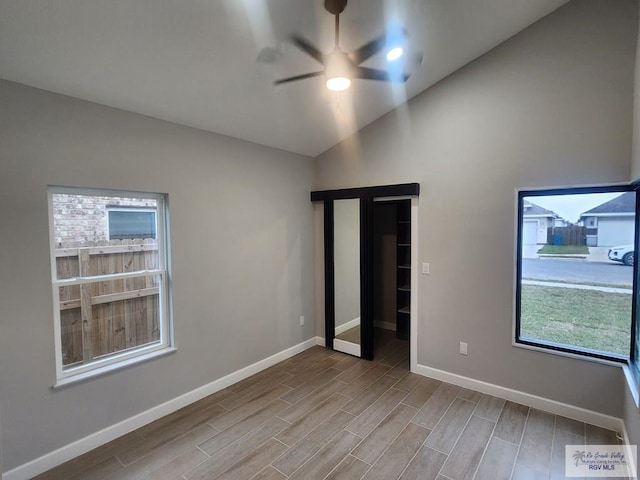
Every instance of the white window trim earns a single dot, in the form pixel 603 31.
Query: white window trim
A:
pixel 126 358
pixel 100 370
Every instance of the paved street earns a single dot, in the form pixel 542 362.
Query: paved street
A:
pixel 577 271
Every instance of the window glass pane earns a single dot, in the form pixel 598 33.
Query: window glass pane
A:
pixel 81 225
pixel 123 314
pixel 576 275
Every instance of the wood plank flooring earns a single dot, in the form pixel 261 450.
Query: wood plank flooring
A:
pixel 326 415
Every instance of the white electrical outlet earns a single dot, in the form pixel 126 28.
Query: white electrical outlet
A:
pixel 302 320
pixel 464 348
pixel 425 269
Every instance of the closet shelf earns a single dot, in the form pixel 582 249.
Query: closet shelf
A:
pixel 405 288
pixel 404 244
pixel 404 310
pixel 407 267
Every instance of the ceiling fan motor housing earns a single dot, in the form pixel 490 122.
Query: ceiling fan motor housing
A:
pixel 335 6
pixel 338 65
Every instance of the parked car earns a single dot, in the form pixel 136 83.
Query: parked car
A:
pixel 623 253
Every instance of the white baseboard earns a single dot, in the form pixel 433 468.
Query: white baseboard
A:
pixel 540 403
pixel 79 447
pixel 385 325
pixel 321 341
pixel 347 326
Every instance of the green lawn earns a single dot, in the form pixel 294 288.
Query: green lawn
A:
pixel 564 250
pixel 582 318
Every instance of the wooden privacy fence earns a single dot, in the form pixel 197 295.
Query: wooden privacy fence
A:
pixel 573 235
pixel 102 316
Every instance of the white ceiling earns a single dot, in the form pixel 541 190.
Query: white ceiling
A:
pixel 195 62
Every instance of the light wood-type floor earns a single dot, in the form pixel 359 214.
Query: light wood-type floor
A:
pixel 326 415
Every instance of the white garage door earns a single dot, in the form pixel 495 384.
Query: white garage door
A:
pixel 615 231
pixel 529 232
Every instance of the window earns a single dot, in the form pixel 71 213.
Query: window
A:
pixel 110 279
pixel 131 223
pixel 575 271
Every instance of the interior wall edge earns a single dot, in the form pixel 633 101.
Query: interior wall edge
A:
pixel 84 445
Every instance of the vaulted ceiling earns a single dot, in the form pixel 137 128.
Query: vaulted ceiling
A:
pixel 211 64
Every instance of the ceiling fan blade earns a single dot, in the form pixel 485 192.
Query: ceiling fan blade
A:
pixel 298 77
pixel 381 75
pixel 369 49
pixel 307 47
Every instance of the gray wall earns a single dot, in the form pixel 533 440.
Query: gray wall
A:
pixel 241 230
pixel 552 106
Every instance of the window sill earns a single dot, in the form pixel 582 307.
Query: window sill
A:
pixel 107 369
pixel 577 356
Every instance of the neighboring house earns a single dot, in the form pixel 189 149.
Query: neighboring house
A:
pixel 535 222
pixel 611 223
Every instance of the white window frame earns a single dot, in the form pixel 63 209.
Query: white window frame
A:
pixel 125 358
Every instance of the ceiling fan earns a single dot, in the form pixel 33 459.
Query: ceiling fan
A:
pixel 340 66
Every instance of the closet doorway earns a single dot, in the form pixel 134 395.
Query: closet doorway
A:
pixel 391 279
pixel 368 252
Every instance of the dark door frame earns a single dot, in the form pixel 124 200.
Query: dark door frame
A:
pixel 366 196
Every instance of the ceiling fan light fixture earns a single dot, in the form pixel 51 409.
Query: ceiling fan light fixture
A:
pixel 394 54
pixel 341 68
pixel 338 84
pixel 338 71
